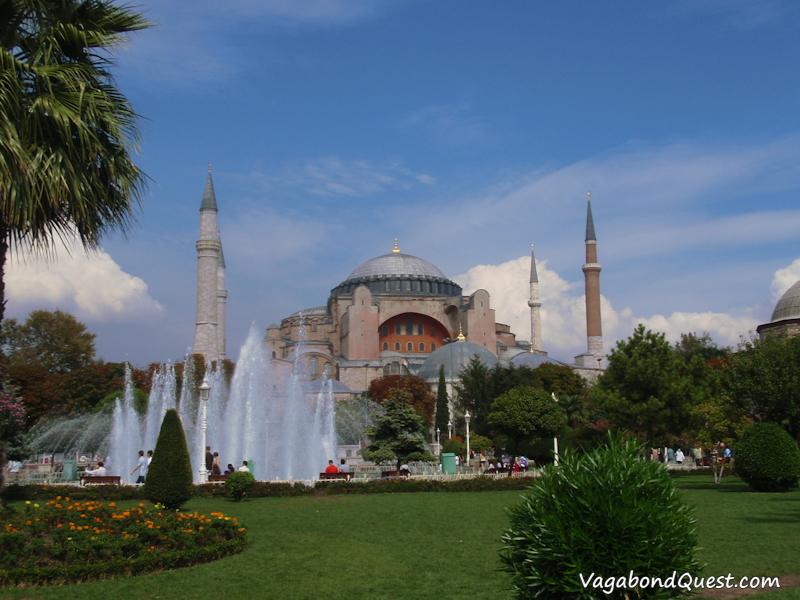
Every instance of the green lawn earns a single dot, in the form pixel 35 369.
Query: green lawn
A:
pixel 433 545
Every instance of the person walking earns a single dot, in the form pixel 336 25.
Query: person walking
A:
pixel 215 470
pixel 209 460
pixel 141 466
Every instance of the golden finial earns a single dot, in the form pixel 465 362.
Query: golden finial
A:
pixel 396 249
pixel 530 350
pixel 460 337
pixel 589 195
pixel 209 167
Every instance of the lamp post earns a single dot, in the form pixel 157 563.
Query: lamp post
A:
pixel 438 445
pixel 449 429
pixel 555 439
pixel 466 418
pixel 204 389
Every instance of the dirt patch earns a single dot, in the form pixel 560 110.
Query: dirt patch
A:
pixel 786 581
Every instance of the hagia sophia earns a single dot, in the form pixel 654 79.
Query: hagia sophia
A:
pixel 395 314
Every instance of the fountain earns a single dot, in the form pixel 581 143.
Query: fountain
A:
pixel 281 433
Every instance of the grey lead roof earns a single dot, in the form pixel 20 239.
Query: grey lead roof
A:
pixel 454 356
pixel 534 275
pixel 396 264
pixel 788 307
pixel 209 198
pixel 590 235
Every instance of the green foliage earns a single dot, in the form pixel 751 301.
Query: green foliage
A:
pixel 559 379
pixel 420 396
pixel 691 345
pixel 238 484
pixel 55 340
pixel 49 543
pixel 648 389
pixel 574 409
pixel 169 477
pixel 442 403
pixel 453 445
pixel 762 379
pixel 719 419
pixel 767 458
pixel 107 403
pixel 399 431
pixel 353 417
pixel 607 512
pixel 524 414
pixel 478 442
pixel 475 394
pixel 421 457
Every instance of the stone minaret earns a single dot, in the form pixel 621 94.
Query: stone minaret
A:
pixel 208 251
pixel 535 303
pixel 222 295
pixel 594 358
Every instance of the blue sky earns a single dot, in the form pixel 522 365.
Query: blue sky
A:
pixel 470 129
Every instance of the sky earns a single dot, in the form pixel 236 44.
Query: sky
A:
pixel 469 129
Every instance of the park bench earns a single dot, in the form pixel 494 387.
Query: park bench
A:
pixel 217 478
pixel 345 476
pixel 394 473
pixel 100 479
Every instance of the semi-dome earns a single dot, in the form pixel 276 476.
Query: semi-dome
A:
pixel 396 264
pixel 454 357
pixel 532 360
pixel 788 307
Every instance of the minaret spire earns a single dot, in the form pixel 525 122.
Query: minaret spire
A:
pixel 594 358
pixel 206 338
pixel 535 304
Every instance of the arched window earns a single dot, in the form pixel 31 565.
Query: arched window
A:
pixel 327 369
pixel 410 347
pixel 433 346
pixel 385 330
pixel 273 354
pixel 420 329
pixel 398 329
pixel 313 365
pixel 385 345
pixel 422 346
pixel 397 346
pixel 409 326
pixel 433 331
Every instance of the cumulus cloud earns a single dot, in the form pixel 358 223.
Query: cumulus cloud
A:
pixel 563 310
pixel 785 278
pixel 93 286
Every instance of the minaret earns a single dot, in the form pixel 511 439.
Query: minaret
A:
pixel 208 249
pixel 535 303
pixel 591 270
pixel 222 295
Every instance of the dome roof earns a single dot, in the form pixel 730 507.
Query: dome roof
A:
pixel 454 356
pixel 396 263
pixel 532 360
pixel 318 385
pixel 788 307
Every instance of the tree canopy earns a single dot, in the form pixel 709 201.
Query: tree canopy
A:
pixel 420 397
pixel 55 341
pixel 398 432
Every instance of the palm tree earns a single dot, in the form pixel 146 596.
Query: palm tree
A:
pixel 67 134
pixel 574 409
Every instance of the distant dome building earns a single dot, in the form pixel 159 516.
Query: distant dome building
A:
pixel 786 316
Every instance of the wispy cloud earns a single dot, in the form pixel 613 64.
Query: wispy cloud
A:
pixel 450 125
pixel 737 14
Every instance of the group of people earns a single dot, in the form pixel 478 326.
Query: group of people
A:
pixel 520 463
pixel 213 468
pixel 720 452
pixel 342 468
pixel 143 465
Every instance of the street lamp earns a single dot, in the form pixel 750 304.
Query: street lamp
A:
pixel 204 389
pixel 466 418
pixel 438 445
pixel 449 429
pixel 555 439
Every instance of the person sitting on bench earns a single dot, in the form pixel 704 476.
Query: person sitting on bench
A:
pixel 100 471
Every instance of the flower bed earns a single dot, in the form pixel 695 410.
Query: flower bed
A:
pixel 66 541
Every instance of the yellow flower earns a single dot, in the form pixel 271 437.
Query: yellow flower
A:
pixel 27 501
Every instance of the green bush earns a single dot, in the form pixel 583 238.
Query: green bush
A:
pixel 169 478
pixel 453 445
pixel 767 458
pixel 238 484
pixel 606 513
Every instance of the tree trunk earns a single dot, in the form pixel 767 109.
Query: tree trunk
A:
pixel 3 256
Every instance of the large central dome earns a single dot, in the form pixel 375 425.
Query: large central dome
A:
pixel 395 264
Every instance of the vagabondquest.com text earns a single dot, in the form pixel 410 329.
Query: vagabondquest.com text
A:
pixel 686 581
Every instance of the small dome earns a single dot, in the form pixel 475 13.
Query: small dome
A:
pixel 454 356
pixel 532 360
pixel 396 264
pixel 317 386
pixel 788 307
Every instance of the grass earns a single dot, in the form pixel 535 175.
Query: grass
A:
pixel 430 545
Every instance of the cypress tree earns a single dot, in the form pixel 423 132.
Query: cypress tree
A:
pixel 169 478
pixel 442 404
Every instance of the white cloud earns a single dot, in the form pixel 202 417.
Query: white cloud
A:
pixel 450 125
pixel 785 278
pixel 563 310
pixel 92 286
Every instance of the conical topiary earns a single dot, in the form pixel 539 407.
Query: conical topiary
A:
pixel 169 478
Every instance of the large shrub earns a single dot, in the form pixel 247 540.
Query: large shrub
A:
pixel 238 484
pixel 603 514
pixel 169 478
pixel 767 458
